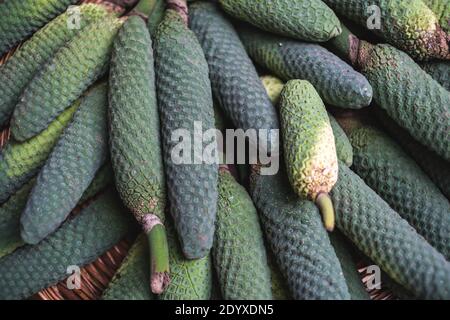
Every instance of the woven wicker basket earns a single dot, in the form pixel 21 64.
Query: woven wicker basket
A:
pixel 96 276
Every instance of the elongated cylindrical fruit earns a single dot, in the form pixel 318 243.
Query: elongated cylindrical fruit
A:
pixel 78 242
pixel 234 79
pixel 310 20
pixel 189 279
pixel 135 136
pixel 435 167
pixel 34 53
pixel 186 111
pixel 131 281
pixel 439 71
pixel 81 151
pixel 349 267
pixel 298 240
pixel 280 290
pixel 19 161
pixel 68 73
pixel 409 95
pixel 380 232
pixel 409 25
pixel 337 83
pixel 238 253
pixel 309 147
pixel 397 178
pixel 274 87
pixel 21 18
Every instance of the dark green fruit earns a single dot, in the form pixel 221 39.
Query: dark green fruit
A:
pixel 309 20
pixel 184 100
pixel 81 151
pixel 20 18
pixel 409 25
pixel 77 243
pixel 337 83
pixel 439 71
pixel 298 240
pixel 132 281
pixel 380 232
pixel 21 161
pixel 238 253
pixel 68 73
pixel 234 79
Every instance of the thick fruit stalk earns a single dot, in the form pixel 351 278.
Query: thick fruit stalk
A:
pixel 274 87
pixel 349 266
pixel 70 168
pixel 156 16
pixel 189 279
pixel 186 108
pixel 436 167
pixel 298 239
pixel 130 282
pixel 234 79
pixel 396 177
pixel 309 147
pixel 21 161
pixel 309 20
pixel 68 73
pixel 78 242
pixel 238 253
pixel 380 232
pixel 337 83
pixel 135 139
pixel 409 25
pixel 20 18
pixel 34 53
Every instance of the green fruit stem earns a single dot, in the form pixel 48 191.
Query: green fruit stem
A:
pixel 159 253
pixel 325 205
pixel 144 8
pixel 346 45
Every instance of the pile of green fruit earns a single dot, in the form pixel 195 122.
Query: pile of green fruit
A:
pixel 94 92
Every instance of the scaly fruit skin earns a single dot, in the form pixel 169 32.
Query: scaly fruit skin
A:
pixel 280 290
pixel 78 242
pixel 410 25
pixel 134 122
pixel 298 240
pixel 184 97
pixel 103 178
pixel 32 55
pixel 310 20
pixel 81 151
pixel 382 164
pixel 349 267
pixel 309 148
pixel 21 18
pixel 132 280
pixel 337 83
pixel 68 73
pixel 234 79
pixel 409 95
pixel 10 213
pixel 435 167
pixel 189 279
pixel 344 149
pixel 239 255
pixel 380 232
pixel 442 10
pixel 439 71
pixel 21 161
pixel 274 87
